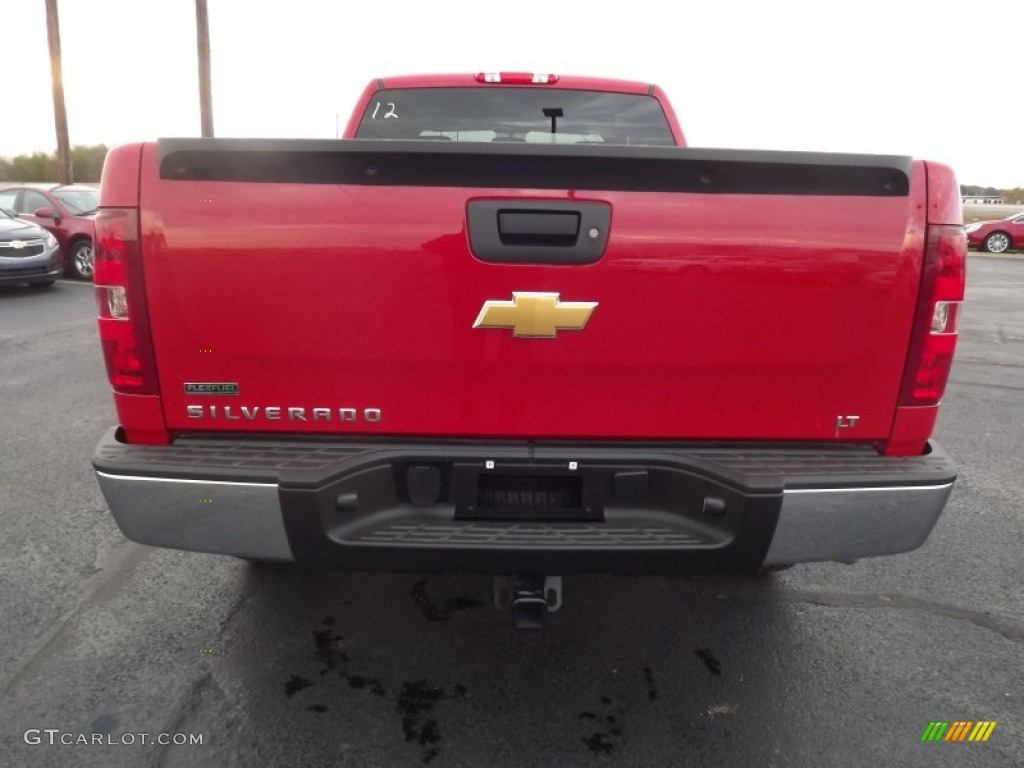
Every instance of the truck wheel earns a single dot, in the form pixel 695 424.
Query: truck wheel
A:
pixel 81 260
pixel 997 242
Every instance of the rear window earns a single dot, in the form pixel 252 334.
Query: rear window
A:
pixel 78 200
pixel 517 115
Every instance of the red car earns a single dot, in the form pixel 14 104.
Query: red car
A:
pixel 67 212
pixel 997 236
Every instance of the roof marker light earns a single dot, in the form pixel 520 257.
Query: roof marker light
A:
pixel 516 78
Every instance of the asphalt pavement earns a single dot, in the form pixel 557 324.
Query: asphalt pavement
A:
pixel 105 643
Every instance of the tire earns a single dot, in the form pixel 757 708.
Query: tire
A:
pixel 997 242
pixel 82 260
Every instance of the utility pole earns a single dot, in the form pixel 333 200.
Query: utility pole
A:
pixel 203 49
pixel 65 174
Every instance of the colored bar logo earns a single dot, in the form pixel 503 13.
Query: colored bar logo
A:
pixel 958 730
pixel 211 388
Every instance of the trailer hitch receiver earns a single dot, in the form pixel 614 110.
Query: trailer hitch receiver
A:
pixel 531 598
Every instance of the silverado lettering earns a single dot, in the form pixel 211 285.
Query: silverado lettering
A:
pixel 599 350
pixel 276 413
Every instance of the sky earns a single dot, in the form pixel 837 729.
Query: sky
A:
pixel 928 79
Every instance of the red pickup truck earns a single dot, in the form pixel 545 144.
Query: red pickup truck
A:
pixel 512 325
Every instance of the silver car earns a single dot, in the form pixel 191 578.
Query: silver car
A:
pixel 28 254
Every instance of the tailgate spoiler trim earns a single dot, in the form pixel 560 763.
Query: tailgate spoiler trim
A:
pixel 534 166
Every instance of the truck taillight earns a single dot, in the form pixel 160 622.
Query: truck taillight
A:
pixel 121 300
pixel 516 78
pixel 938 310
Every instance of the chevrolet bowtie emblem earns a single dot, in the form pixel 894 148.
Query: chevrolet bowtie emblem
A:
pixel 535 315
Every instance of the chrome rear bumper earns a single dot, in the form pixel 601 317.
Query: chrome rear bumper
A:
pixel 227 518
pixel 849 523
pixel 341 505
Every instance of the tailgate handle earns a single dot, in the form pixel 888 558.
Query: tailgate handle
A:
pixel 558 229
pixel 538 231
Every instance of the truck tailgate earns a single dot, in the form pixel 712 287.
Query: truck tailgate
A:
pixel 758 309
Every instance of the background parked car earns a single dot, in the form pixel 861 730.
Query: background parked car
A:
pixel 993 236
pixel 28 254
pixel 67 212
